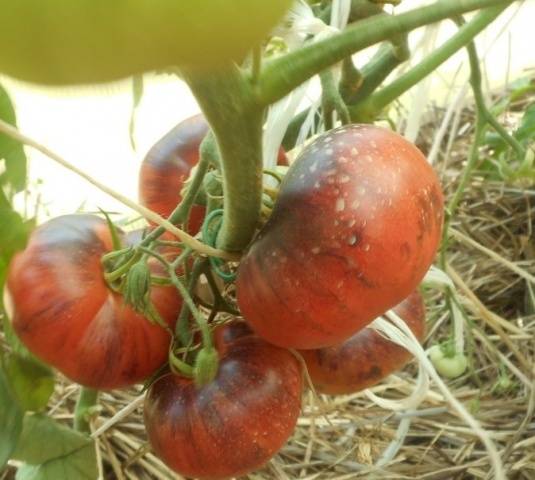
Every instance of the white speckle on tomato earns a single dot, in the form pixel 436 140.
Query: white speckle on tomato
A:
pixel 329 151
pixel 368 158
pixel 343 178
pixel 315 250
pixel 361 191
pixel 317 185
pixel 351 223
pixel 313 167
pixel 340 205
pixel 355 204
pixel 330 172
pixel 328 139
pixel 366 247
pixel 352 240
pixel 342 160
pixel 373 144
pixel 354 152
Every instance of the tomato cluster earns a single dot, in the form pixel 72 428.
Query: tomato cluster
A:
pixel 355 226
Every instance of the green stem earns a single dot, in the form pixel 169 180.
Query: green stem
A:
pixel 387 58
pixel 181 212
pixel 197 315
pixel 119 272
pixel 371 106
pixel 331 100
pixel 182 330
pixel 228 101
pixel 480 99
pixel 282 75
pixel 87 399
pixel 351 79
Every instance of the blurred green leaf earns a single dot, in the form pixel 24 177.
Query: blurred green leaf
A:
pixel 32 383
pixel 14 232
pixel 53 451
pixel 13 161
pixel 10 421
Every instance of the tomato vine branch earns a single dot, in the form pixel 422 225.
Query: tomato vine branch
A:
pixel 373 104
pixel 282 75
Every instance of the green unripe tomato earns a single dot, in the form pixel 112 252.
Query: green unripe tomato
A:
pixel 89 41
pixel 448 366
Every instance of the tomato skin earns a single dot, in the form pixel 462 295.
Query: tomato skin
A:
pixel 365 358
pixel 167 166
pixel 89 41
pixel 234 424
pixel 66 315
pixel 355 227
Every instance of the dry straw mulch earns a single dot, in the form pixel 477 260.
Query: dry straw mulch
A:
pixel 492 256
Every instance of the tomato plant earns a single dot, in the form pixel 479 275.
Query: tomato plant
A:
pixel 365 358
pixel 355 228
pixel 234 424
pixel 350 231
pixel 66 314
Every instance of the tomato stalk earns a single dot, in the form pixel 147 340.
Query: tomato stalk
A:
pixel 282 75
pixel 86 400
pixel 181 212
pixel 228 101
pixel 182 330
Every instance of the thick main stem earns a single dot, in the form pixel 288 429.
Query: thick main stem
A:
pixel 226 99
pixel 282 75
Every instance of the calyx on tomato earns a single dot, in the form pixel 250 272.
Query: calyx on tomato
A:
pixel 66 314
pixel 355 227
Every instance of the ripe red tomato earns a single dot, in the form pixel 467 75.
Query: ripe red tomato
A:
pixel 234 424
pixel 355 228
pixel 365 358
pixel 167 166
pixel 65 313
